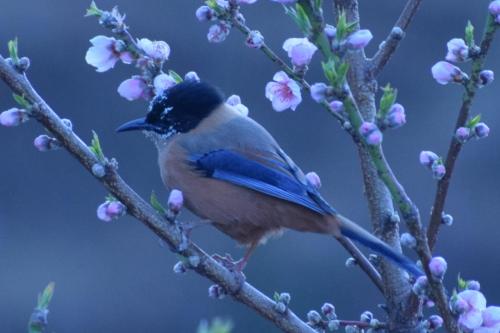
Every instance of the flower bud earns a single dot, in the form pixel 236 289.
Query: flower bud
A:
pixel 175 201
pixel 446 219
pixel 408 240
pixel 350 262
pixel 179 268
pixel 300 51
pixel 438 267
pixel 328 311
pixel 110 210
pixel 285 298
pixel 359 39
pixel 366 317
pixel 254 39
pixel 396 116
pixel 235 101
pixel 319 91
pixel 23 64
pixel 217 33
pixel 458 51
pixel 473 285
pixel 494 8
pixel 481 130
pixel 462 134
pixel 337 106
pixel 205 13
pixel 157 50
pixel 420 286
pixel 351 329
pixel 459 305
pixel 216 291
pixel 191 76
pixel 45 143
pixel 330 31
pixel 98 170
pixel 370 132
pixel 444 73
pixel 313 317
pixel 162 82
pixel 13 117
pixel 427 158
pixel 313 180
pixel 280 307
pixel 333 325
pixel 438 170
pixel 435 322
pixel 486 77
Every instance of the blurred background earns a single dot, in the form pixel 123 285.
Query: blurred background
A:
pixel 114 277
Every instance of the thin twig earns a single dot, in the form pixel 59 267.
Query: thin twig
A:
pixel 455 145
pixel 389 46
pixel 142 211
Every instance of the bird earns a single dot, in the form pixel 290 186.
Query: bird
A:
pixel 233 173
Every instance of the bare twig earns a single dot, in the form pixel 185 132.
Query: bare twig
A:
pixel 389 46
pixel 142 211
pixel 455 145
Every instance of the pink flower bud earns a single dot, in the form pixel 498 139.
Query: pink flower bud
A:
pixel 134 88
pixel 110 210
pixel 300 50
pixel 481 130
pixel 175 201
pixel 459 306
pixel 438 267
pixel 284 92
pixel 162 82
pixel 179 268
pixel 427 158
pixel 370 132
pixel 205 13
pixel 313 180
pixel 491 319
pixel 462 134
pixel 444 73
pixel 216 291
pixel 472 317
pixel 486 77
pixel 473 285
pixel 217 33
pixel 255 39
pixel 458 51
pixel 45 143
pixel 420 286
pixel 313 317
pixel 13 117
pixel 156 50
pixel 494 8
pixel 328 311
pixel 330 31
pixel 435 322
pixel 359 39
pixel 191 76
pixel 408 240
pixel 438 170
pixel 396 116
pixel 337 106
pixel 319 92
pixel 235 101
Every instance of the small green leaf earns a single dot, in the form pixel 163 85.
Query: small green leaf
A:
pixel 329 71
pixel 13 51
pixel 462 284
pixel 342 70
pixel 93 10
pixel 21 101
pixel 469 34
pixel 175 76
pixel 300 17
pixel 276 297
pixel 387 100
pixel 474 121
pixel 216 326
pixel 156 204
pixel 46 296
pixel 95 147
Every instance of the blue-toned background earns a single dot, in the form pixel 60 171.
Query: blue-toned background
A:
pixel 115 277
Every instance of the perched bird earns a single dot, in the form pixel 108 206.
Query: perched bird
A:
pixel 233 172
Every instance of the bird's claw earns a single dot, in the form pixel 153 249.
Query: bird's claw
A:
pixel 234 266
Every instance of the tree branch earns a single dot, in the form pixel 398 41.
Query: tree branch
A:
pixel 142 211
pixel 390 44
pixel 455 145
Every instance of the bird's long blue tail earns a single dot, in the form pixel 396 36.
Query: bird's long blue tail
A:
pixel 351 230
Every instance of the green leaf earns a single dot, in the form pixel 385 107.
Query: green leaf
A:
pixel 474 121
pixel 156 204
pixel 93 10
pixel 95 147
pixel 300 17
pixel 329 71
pixel 13 52
pixel 342 70
pixel 469 34
pixel 21 101
pixel 175 76
pixel 46 296
pixel 217 326
pixel 387 100
pixel 276 297
pixel 462 284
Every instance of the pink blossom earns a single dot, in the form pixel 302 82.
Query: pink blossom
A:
pixel 458 51
pixel 396 117
pixel 337 106
pixel 491 320
pixel 481 130
pixel 235 101
pixel 330 31
pixel 300 50
pixel 45 143
pixel 427 158
pixel 255 39
pixel 435 322
pixel 438 267
pixel 494 7
pixel 205 13
pixel 284 92
pixel 359 39
pixel 438 170
pixel 444 73
pixel 486 77
pixel 217 33
pixel 156 50
pixel 370 132
pixel 162 82
pixel 134 88
pixel 472 318
pixel 313 179
pixel 110 210
pixel 13 117
pixel 105 52
pixel 462 134
pixel 175 201
pixel 318 92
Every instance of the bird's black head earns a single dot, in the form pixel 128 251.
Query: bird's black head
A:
pixel 179 109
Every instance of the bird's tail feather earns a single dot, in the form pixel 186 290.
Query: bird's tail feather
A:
pixel 351 230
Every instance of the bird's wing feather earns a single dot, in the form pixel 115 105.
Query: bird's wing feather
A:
pixel 272 175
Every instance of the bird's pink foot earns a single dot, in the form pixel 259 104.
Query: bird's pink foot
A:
pixel 235 266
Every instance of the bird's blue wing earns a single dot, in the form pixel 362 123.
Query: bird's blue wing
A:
pixel 269 176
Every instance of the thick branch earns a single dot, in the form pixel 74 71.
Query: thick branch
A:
pixel 455 146
pixel 138 208
pixel 389 46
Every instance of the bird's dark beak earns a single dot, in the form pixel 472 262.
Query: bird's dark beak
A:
pixel 136 124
